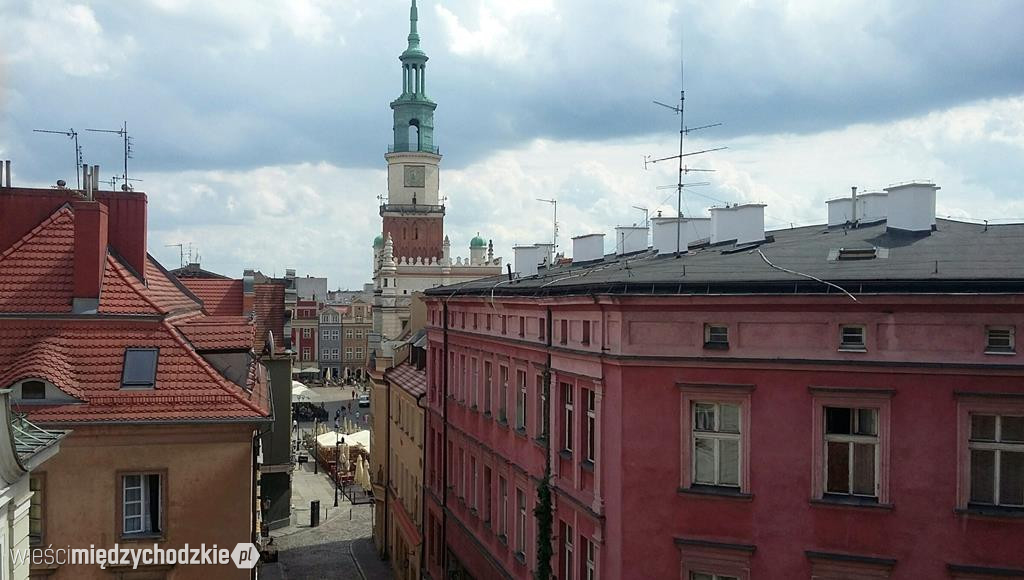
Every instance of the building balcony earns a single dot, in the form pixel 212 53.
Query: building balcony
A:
pixel 413 148
pixel 411 208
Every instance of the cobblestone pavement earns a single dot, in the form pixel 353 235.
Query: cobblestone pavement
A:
pixel 339 548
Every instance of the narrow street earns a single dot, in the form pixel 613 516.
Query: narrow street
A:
pixel 341 546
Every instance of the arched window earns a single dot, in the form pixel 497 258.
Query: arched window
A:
pixel 414 135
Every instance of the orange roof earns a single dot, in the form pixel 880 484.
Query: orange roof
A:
pixel 37 269
pixel 221 297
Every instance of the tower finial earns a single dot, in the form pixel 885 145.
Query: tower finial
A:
pixel 414 35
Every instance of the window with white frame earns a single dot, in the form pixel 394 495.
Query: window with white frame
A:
pixel 567 416
pixel 306 353
pixel 142 503
pixel 36 485
pixel 521 523
pixel 716 336
pixel 335 334
pixel 997 460
pixel 521 400
pixel 567 552
pixel 542 410
pixel 473 483
pixel 334 353
pixel 502 507
pixel 589 559
pixel 348 352
pixel 710 576
pixel 999 340
pixel 852 337
pixel 716 444
pixel 487 495
pixel 326 334
pixel 325 354
pixel 851 451
pixel 503 394
pixel 474 384
pixel 348 333
pixel 307 333
pixel 590 437
pixel 488 386
pixel 359 333
pixel 359 352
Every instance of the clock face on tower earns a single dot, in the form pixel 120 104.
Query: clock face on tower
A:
pixel 415 175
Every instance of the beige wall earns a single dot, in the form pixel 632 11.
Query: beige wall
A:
pixel 207 487
pixel 406 482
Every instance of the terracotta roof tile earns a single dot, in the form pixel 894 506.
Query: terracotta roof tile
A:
pixel 165 292
pixel 221 297
pixel 268 306
pixel 219 332
pixel 38 268
pixel 122 293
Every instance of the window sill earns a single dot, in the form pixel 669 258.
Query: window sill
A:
pixel 587 465
pixel 716 345
pixel 852 349
pixel 503 539
pixel 716 491
pixel 540 442
pixel 503 421
pixel 853 502
pixel 473 407
pixel 565 453
pixel 1001 352
pixel 521 558
pixel 991 511
pixel 521 432
pixel 488 414
pixel 142 537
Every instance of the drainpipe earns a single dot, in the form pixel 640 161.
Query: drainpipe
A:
pixel 423 496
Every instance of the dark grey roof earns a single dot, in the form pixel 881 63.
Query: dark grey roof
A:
pixel 955 257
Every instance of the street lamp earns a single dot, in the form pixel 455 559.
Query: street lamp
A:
pixel 315 461
pixel 337 463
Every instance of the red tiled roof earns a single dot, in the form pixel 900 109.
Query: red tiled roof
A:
pixel 38 268
pixel 164 292
pixel 122 293
pixel 187 387
pixel 268 306
pixel 221 297
pixel 408 378
pixel 219 332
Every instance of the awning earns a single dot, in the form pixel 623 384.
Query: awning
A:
pixel 303 394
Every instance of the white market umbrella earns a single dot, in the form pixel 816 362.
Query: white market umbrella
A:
pixel 303 394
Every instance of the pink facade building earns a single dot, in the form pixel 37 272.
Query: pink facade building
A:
pixel 828 402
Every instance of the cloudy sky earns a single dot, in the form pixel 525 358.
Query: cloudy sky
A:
pixel 260 127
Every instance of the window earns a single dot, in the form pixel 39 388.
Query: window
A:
pixel 307 333
pixel 326 334
pixel 462 473
pixel 563 335
pixel 325 354
pixel 487 495
pixel 462 319
pixel 521 523
pixel 589 438
pixel 716 444
pixel 142 503
pixel 586 333
pixel 139 368
pixel 541 329
pixel 487 320
pixel 503 394
pixel 335 334
pixel 37 485
pixel 504 324
pixel 589 559
pixel 474 321
pixel 33 390
pixel 851 337
pixel 567 565
pixel 348 333
pixel 522 326
pixel 487 386
pixel 851 451
pixel 474 384
pixel 709 576
pixel 348 352
pixel 502 507
pixel 474 482
pixel 707 560
pixel 840 566
pixel 463 375
pixel 567 417
pixel 542 409
pixel 521 400
pixel 359 334
pixel 997 460
pixel 716 336
pixel 999 339
pixel 306 354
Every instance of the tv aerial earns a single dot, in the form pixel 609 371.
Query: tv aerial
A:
pixel 126 139
pixel 73 135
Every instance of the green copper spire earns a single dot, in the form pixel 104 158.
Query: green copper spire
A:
pixel 414 111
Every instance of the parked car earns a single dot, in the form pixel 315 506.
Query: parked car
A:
pixel 364 400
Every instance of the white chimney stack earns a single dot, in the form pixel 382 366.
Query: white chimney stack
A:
pixel 587 248
pixel 871 207
pixel 5 173
pixel 546 255
pixel 629 239
pixel 911 206
pixel 740 223
pixel 527 258
pixel 689 231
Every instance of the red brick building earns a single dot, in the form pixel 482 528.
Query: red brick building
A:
pixel 818 402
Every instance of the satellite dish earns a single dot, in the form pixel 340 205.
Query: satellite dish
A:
pixel 268 343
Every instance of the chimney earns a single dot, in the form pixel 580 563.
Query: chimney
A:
pixel 911 206
pixel 248 292
pixel 742 224
pixel 527 258
pixel 629 239
pixel 95 178
pixel 853 204
pixel 690 230
pixel 546 255
pixel 587 248
pixel 90 255
pixel 5 173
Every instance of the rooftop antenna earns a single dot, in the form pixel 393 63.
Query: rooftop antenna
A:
pixel 683 132
pixel 181 253
pixel 554 223
pixel 123 132
pixel 124 186
pixel 73 135
pixel 646 214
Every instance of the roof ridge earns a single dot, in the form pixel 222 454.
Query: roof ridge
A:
pixel 228 386
pixel 131 281
pixel 62 211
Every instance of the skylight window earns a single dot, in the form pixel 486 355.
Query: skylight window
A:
pixel 139 368
pixel 857 253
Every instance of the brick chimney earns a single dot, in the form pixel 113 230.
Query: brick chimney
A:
pixel 90 255
pixel 127 226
